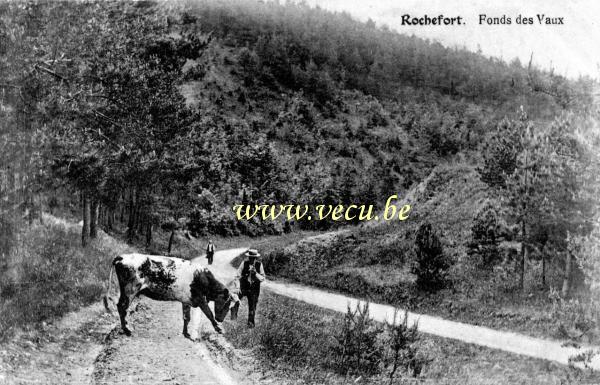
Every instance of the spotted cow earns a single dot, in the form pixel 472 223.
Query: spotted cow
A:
pixel 170 279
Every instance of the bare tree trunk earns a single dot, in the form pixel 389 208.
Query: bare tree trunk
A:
pixel 85 229
pixel 141 221
pixel 543 269
pixel 566 286
pixel 522 261
pixel 110 217
pixel 171 241
pixel 122 211
pixel 94 213
pixel 148 233
pixel 524 227
pixel 40 211
pixel 131 222
pixel 31 206
pixel 102 216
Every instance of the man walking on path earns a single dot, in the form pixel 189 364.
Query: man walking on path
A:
pixel 210 251
pixel 250 274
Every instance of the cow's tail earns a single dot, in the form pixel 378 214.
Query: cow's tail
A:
pixel 107 296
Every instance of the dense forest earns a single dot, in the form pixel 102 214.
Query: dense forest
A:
pixel 153 114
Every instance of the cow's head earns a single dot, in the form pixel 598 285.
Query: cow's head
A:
pixel 223 302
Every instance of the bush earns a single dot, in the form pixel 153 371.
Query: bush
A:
pixel 485 236
pixel 403 349
pixel 359 349
pixel 276 261
pixel 575 316
pixel 431 265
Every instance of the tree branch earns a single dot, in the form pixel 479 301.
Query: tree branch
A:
pixel 50 72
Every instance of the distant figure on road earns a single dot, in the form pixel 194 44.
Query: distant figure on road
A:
pixel 250 274
pixel 210 251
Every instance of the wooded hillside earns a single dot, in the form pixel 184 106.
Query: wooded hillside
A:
pixel 153 114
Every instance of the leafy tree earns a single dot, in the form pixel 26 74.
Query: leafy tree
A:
pixel 539 172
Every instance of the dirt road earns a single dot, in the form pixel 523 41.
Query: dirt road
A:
pixel 511 342
pixel 157 352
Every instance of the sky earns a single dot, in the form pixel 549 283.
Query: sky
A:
pixel 571 49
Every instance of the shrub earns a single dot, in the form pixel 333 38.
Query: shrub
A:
pixel 486 236
pixel 431 265
pixel 402 344
pixel 358 348
pixel 575 316
pixel 276 261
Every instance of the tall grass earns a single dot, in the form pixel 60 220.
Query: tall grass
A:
pixel 295 343
pixel 316 346
pixel 47 274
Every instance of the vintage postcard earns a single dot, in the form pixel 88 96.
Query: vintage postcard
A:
pixel 300 192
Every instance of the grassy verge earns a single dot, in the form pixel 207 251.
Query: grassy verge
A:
pixel 49 274
pixel 293 344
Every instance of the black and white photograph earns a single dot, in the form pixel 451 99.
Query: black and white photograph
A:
pixel 300 192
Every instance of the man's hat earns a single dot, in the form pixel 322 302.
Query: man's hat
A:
pixel 252 253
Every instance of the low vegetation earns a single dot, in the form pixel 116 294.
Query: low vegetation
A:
pixel 481 263
pixel 47 274
pixel 298 343
pixel 340 347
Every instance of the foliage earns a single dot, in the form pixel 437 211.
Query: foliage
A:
pixel 358 347
pixel 588 256
pixel 488 231
pixel 310 49
pixel 543 174
pixel 500 153
pixel 403 345
pixel 431 264
pixel 142 107
pixel 49 275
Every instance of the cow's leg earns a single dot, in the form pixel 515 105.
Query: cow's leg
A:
pixel 186 319
pixel 129 285
pixel 122 305
pixel 203 305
